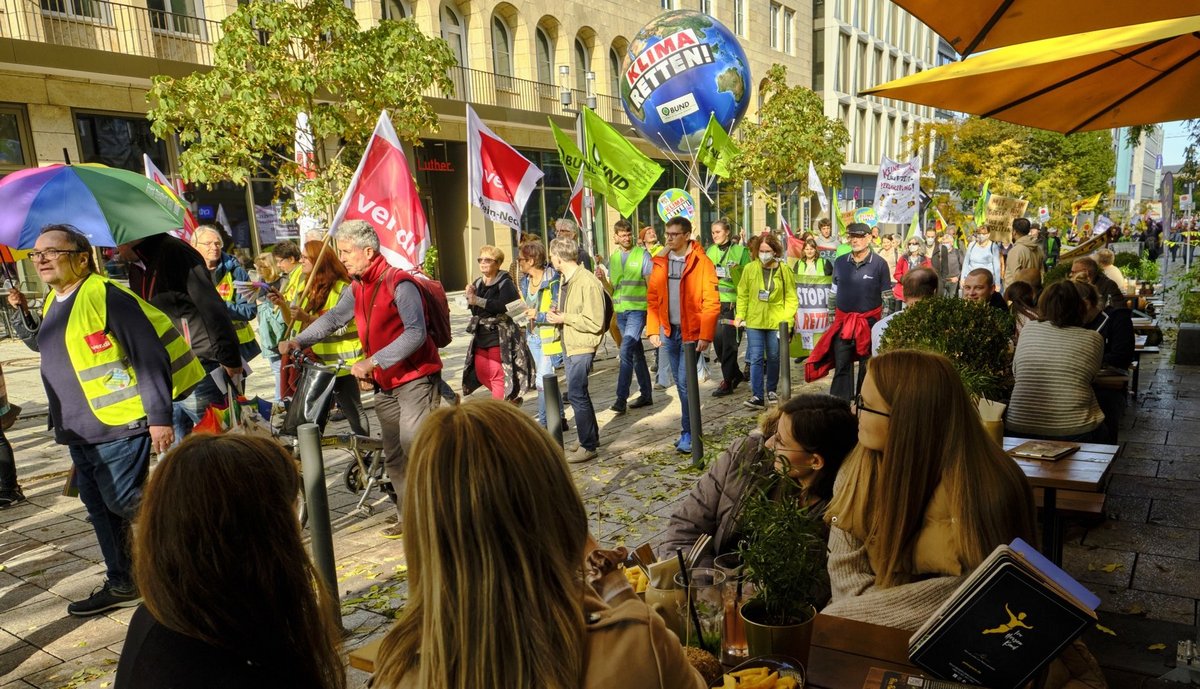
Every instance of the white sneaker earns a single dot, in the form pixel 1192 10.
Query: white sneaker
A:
pixel 580 454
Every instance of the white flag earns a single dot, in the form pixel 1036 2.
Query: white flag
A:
pixel 189 221
pixel 500 179
pixel 814 186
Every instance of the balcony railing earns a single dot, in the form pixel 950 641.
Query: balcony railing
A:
pixel 111 27
pixel 139 31
pixel 487 88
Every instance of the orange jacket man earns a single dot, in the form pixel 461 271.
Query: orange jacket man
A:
pixel 682 306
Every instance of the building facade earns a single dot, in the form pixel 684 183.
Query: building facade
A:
pixel 858 44
pixel 1139 172
pixel 74 75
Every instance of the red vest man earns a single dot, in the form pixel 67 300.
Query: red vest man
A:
pixel 401 361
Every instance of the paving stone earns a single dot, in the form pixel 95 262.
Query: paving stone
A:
pixel 1144 486
pixel 1175 513
pixel 1149 436
pixel 1127 651
pixel 1134 467
pixel 92 671
pixel 1145 538
pixel 1179 577
pixel 70 637
pixel 58 531
pixel 1159 452
pixel 1183 438
pixel 38 559
pixel 1155 606
pixel 24 660
pixel 1088 565
pixel 1179 469
pixel 1128 509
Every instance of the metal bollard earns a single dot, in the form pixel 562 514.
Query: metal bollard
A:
pixel 693 402
pixel 785 362
pixel 320 530
pixel 554 410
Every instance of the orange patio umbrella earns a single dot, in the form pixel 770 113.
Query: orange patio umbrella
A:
pixel 1120 77
pixel 972 26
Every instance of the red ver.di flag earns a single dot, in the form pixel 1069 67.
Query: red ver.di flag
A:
pixel 500 179
pixel 383 194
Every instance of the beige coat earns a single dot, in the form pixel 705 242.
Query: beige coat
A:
pixel 581 302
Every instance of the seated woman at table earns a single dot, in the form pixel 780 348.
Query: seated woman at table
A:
pixel 1115 325
pixel 1022 303
pixel 230 598
pixel 1055 364
pixel 496 537
pixel 807 437
pixel 923 500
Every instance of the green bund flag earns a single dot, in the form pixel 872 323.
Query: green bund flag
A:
pixel 716 149
pixel 981 205
pixel 615 168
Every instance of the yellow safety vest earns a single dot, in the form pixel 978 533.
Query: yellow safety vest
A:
pixel 108 380
pixel 550 335
pixel 294 286
pixel 245 333
pixel 343 345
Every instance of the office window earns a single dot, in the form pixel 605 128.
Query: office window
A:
pixel 863 74
pixel 879 79
pixel 454 33
pixel 818 60
pixel 614 68
pixel 706 7
pixel 502 62
pixel 545 57
pixel 739 17
pixel 16 147
pixel 789 21
pixel 845 62
pixel 118 141
pixel 85 9
pixel 818 9
pixel 583 65
pixel 775 10
pixel 178 16
pixel 394 9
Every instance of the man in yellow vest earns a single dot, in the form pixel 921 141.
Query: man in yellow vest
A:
pixel 225 270
pixel 107 363
pixel 628 268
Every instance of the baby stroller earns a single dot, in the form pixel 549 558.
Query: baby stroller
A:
pixel 310 403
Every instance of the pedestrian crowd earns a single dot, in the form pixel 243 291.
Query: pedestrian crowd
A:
pixel 130 372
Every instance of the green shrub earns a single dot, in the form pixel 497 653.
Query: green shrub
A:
pixel 974 336
pixel 1058 273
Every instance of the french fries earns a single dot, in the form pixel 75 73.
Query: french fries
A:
pixel 637 579
pixel 757 678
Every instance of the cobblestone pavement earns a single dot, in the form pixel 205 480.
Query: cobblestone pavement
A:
pixel 1143 560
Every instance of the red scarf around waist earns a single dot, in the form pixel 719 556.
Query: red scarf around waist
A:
pixel 848 326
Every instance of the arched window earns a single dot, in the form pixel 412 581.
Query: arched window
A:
pixel 454 32
pixel 502 60
pixel 583 65
pixel 614 66
pixel 394 9
pixel 545 57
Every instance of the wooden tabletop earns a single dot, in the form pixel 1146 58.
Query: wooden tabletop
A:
pixel 843 652
pixel 1082 470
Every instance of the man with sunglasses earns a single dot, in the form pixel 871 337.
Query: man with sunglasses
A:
pixel 859 281
pixel 111 364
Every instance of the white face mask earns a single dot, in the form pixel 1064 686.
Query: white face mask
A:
pixel 766 256
pixel 914 249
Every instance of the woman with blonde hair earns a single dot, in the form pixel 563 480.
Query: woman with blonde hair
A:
pixel 271 323
pixel 924 498
pixel 498 357
pixel 496 536
pixel 230 597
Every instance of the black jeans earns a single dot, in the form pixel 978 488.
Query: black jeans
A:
pixel 845 354
pixel 8 466
pixel 726 344
pixel 350 400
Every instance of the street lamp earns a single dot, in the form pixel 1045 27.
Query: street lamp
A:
pixel 564 86
pixel 590 80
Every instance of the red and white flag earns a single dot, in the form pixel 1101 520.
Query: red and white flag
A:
pixel 305 156
pixel 575 203
pixel 500 178
pixel 383 194
pixel 189 221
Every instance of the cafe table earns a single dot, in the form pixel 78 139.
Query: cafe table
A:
pixel 1082 471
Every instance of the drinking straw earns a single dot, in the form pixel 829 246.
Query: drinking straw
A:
pixel 687 583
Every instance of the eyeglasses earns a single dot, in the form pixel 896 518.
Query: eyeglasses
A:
pixel 52 254
pixel 215 242
pixel 485 260
pixel 859 408
pixel 676 234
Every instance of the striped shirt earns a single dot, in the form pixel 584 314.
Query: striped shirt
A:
pixel 1053 370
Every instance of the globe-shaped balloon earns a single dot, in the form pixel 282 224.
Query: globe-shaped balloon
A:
pixel 680 68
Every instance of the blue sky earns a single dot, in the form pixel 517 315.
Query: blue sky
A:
pixel 1175 139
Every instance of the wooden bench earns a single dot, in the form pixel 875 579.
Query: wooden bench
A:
pixel 1072 503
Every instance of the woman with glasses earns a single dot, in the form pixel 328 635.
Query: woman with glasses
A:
pixel 805 438
pixel 914 257
pixel 539 285
pixel 498 357
pixel 923 499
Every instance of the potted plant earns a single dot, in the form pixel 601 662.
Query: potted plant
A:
pixel 976 337
pixel 783 557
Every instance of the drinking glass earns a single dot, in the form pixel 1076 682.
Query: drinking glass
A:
pixel 737 591
pixel 705 595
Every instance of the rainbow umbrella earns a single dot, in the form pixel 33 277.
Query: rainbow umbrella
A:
pixel 109 205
